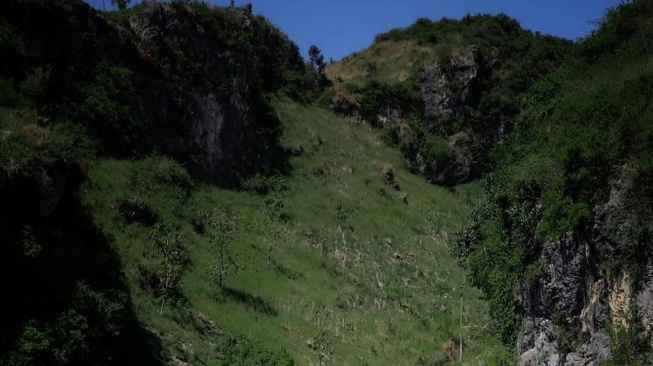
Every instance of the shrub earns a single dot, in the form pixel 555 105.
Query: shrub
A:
pixel 436 149
pixel 261 184
pixel 240 351
pixel 630 344
pixel 9 98
pixel 171 259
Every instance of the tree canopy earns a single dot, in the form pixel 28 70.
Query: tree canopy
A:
pixel 316 58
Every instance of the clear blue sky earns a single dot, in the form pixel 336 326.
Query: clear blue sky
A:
pixel 340 27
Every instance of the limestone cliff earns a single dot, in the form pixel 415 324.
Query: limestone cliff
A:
pixel 572 310
pixel 445 93
pixel 561 244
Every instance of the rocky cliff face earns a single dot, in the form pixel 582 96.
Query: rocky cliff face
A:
pixel 445 93
pixel 561 244
pixel 187 80
pixel 444 90
pixel 445 96
pixel 569 310
pixel 219 89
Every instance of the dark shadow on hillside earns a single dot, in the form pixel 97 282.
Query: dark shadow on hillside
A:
pixel 252 302
pixel 64 282
pixel 271 130
pixel 288 272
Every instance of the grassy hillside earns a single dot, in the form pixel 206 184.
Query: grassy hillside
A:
pixel 342 261
pixel 330 264
pixel 387 60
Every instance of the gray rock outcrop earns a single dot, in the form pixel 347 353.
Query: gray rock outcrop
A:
pixel 567 311
pixel 440 103
pixel 446 90
pixel 445 95
pixel 211 136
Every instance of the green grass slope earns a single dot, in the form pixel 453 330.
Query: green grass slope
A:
pixel 325 266
pixel 121 257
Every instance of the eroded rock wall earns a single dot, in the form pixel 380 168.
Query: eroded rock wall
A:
pixel 568 311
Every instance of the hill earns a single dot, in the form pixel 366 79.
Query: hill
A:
pixel 445 92
pixel 171 194
pixel 330 265
pixel 119 246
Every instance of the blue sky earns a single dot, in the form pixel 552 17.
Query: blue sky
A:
pixel 340 27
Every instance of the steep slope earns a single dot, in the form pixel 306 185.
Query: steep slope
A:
pixel 118 247
pixel 343 262
pixel 186 80
pixel 567 219
pixel 445 91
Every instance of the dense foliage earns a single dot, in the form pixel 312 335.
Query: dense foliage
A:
pixel 582 130
pixel 384 98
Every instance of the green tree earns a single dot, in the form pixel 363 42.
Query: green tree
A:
pixel 316 58
pixel 172 259
pixel 121 4
pixel 223 228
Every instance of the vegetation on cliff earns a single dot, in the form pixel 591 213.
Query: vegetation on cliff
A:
pixel 582 146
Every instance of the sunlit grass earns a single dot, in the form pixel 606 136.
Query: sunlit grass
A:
pixel 337 259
